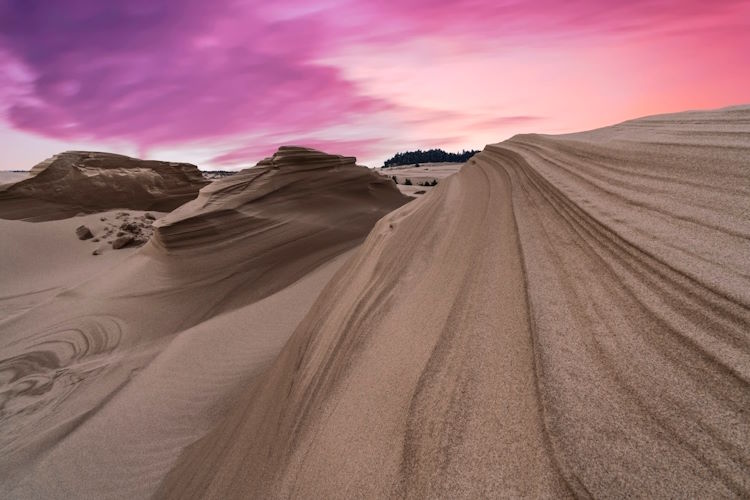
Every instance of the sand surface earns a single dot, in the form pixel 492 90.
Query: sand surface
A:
pixel 567 316
pixel 425 172
pixel 39 261
pixel 125 448
pixel 562 316
pixel 10 177
pixel 110 364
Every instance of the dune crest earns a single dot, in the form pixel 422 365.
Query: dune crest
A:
pixel 566 316
pixel 76 182
pixel 298 191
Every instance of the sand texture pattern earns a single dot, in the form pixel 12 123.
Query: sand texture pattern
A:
pixel 566 316
pixel 106 375
pixel 305 194
pixel 76 182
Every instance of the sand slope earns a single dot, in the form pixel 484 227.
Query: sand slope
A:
pixel 64 361
pixel 76 182
pixel 567 316
pixel 30 273
pixel 124 449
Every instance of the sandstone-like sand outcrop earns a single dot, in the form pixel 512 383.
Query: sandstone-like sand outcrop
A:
pixel 85 182
pixel 311 197
pixel 270 224
pixel 567 316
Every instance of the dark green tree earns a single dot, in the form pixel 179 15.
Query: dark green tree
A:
pixel 429 156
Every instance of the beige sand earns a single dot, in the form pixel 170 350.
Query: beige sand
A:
pixel 11 177
pixel 425 172
pixel 567 316
pixel 77 182
pixel 125 448
pixel 109 355
pixel 41 260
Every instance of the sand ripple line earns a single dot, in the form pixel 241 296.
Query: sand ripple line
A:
pixel 568 315
pixel 47 369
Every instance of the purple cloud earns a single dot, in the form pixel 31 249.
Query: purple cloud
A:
pixel 166 71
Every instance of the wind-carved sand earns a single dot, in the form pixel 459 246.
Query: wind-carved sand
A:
pixel 77 182
pixel 105 382
pixel 566 316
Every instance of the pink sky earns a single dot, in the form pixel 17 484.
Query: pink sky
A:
pixel 223 83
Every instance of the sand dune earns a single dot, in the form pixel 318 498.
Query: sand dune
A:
pixel 30 275
pixel 567 316
pixel 297 191
pixel 71 358
pixel 124 449
pixel 76 182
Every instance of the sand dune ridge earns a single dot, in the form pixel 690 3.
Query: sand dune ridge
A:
pixel 567 316
pixel 68 358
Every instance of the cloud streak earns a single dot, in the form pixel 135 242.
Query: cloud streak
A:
pixel 157 72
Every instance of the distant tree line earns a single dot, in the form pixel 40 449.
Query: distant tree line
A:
pixel 429 156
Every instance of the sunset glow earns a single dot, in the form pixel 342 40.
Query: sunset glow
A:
pixel 223 83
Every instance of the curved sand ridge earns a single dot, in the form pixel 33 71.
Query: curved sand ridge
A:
pixel 85 182
pixel 71 359
pixel 567 316
pixel 312 197
pixel 270 224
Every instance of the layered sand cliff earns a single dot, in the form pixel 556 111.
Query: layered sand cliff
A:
pixel 105 381
pixel 77 182
pixel 566 316
pixel 301 192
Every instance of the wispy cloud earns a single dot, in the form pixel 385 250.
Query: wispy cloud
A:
pixel 157 73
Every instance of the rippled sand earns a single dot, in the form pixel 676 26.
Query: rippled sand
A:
pixel 111 364
pixel 567 316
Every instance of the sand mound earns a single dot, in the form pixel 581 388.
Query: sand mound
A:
pixel 315 197
pixel 567 316
pixel 86 182
pixel 270 224
pixel 65 361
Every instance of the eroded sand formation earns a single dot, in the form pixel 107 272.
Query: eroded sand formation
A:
pixel 98 383
pixel 566 316
pixel 77 182
pixel 313 197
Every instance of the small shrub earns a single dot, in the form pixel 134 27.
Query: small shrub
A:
pixel 407 182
